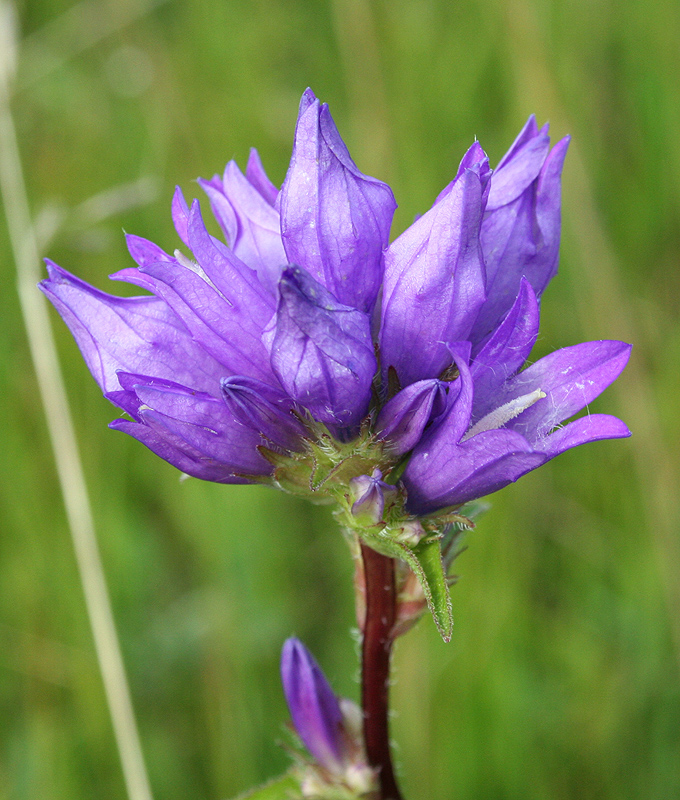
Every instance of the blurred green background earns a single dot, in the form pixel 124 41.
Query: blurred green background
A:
pixel 562 677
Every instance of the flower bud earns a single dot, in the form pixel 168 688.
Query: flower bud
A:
pixel 313 706
pixel 368 494
pixel 330 728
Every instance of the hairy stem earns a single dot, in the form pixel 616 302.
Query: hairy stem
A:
pixel 375 668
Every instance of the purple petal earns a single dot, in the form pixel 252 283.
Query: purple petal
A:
pixel 223 327
pixel 313 707
pixel 221 207
pixel 264 409
pixel 506 351
pixel 145 252
pixel 258 178
pixel 571 378
pixel 204 424
pixel 521 237
pixel 258 234
pixel 528 132
pixel 475 159
pixel 136 277
pixel 228 446
pixel 434 284
pixel 128 399
pixel 370 491
pixel 549 217
pixel 234 279
pixel 321 351
pixel 180 215
pixel 590 428
pixel 135 334
pixel 452 424
pixel 335 220
pixel 403 419
pixel 220 300
pixel 178 453
pixel 519 168
pixel 451 474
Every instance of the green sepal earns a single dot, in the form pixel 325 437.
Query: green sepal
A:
pixel 425 559
pixel 321 471
pixel 286 787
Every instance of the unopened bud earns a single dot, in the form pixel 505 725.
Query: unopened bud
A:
pixel 313 706
pixel 368 494
pixel 411 532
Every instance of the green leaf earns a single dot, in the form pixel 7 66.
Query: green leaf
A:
pixel 425 559
pixel 287 787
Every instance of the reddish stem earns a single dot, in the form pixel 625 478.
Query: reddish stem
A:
pixel 381 599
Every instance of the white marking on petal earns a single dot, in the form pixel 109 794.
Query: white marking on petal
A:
pixel 499 416
pixel 197 269
pixel 194 266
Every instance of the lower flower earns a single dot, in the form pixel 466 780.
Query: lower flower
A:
pixel 329 727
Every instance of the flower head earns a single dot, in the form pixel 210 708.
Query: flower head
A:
pixel 307 350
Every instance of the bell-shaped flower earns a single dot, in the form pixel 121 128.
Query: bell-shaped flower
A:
pixel 434 278
pixel 404 418
pixel 265 410
pixel 192 430
pixel 335 220
pixel 313 706
pixel 520 233
pixel 368 493
pixel 321 350
pixel 501 423
pixel 330 728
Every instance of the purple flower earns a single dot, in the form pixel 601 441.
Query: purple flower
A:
pixel 502 423
pixel 308 351
pixel 335 221
pixel 330 728
pixel 434 277
pixel 313 706
pixel 370 492
pixel 321 351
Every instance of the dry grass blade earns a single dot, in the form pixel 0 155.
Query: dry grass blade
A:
pixel 69 467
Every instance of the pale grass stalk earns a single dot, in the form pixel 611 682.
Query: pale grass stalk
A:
pixel 60 425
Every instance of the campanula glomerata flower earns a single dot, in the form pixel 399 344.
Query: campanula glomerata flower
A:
pixel 328 726
pixel 308 351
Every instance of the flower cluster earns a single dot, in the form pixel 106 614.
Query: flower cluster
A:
pixel 308 335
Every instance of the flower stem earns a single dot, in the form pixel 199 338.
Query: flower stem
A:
pixel 375 668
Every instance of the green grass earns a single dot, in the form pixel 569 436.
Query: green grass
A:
pixel 561 681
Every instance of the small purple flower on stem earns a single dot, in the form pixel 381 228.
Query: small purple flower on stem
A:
pixel 370 492
pixel 313 706
pixel 329 727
